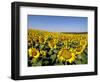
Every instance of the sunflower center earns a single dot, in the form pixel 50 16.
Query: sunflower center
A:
pixel 66 54
pixel 34 53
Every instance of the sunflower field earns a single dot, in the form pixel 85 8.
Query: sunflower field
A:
pixel 56 48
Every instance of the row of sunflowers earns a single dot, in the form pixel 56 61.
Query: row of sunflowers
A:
pixel 56 48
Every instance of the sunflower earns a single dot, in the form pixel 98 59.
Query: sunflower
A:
pixel 65 55
pixel 33 52
pixel 41 39
pixel 79 49
pixel 52 43
pixel 36 39
pixel 83 42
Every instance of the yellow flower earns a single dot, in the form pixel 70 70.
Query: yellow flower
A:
pixel 83 42
pixel 43 52
pixel 41 39
pixel 80 49
pixel 65 55
pixel 33 52
pixel 72 58
pixel 36 39
pixel 52 43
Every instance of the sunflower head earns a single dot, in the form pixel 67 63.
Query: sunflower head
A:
pixel 41 39
pixel 52 43
pixel 65 55
pixel 82 42
pixel 33 52
pixel 36 39
pixel 79 49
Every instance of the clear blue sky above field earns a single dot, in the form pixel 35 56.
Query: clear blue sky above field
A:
pixel 58 23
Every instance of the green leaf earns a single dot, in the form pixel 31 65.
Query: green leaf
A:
pixel 36 46
pixel 55 51
pixel 53 57
pixel 59 62
pixel 39 63
pixel 45 62
pixel 50 52
pixel 36 63
pixel 78 62
pixel 41 47
pixel 79 57
pixel 34 60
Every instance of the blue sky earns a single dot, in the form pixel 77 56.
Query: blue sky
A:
pixel 58 23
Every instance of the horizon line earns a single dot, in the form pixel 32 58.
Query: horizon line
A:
pixel 58 31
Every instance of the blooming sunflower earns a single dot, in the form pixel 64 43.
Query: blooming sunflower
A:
pixel 79 49
pixel 33 52
pixel 52 43
pixel 83 42
pixel 36 39
pixel 41 39
pixel 65 55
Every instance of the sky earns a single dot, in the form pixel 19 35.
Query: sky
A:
pixel 58 23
